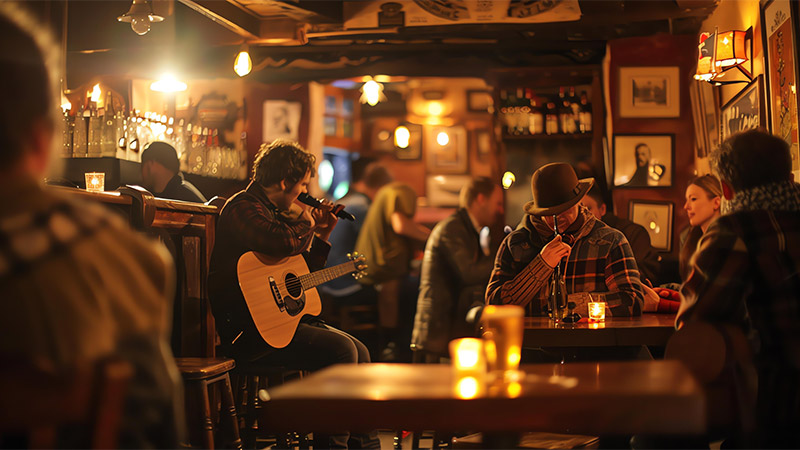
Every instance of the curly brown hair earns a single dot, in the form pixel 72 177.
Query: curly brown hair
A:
pixel 282 160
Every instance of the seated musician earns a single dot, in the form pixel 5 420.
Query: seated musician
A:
pixel 598 257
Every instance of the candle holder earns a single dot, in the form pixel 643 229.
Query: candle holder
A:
pixel 597 311
pixel 469 367
pixel 95 181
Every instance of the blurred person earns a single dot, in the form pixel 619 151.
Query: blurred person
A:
pixel 599 258
pixel 78 284
pixel 745 273
pixel 267 218
pixel 387 239
pixel 162 176
pixel 646 257
pixel 455 271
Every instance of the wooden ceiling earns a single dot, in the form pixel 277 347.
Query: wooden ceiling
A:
pixel 306 40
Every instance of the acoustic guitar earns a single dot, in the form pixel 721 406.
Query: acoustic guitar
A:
pixel 279 292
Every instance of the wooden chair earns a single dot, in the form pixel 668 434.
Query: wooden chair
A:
pixel 45 408
pixel 200 374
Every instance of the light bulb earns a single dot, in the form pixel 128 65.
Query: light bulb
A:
pixel 402 137
pixel 140 25
pixel 243 64
pixel 442 138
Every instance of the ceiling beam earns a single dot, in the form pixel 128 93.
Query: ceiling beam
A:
pixel 229 16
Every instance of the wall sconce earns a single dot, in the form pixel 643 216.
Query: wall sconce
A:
pixel 402 137
pixel 140 15
pixel 371 92
pixel 243 64
pixel 719 52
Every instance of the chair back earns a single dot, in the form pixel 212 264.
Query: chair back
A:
pixel 79 407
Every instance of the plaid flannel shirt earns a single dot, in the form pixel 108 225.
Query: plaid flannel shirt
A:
pixel 601 261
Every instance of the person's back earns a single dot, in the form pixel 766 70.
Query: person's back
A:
pixel 746 272
pixel 77 283
pixel 161 174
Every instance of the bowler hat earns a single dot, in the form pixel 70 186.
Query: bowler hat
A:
pixel 555 189
pixel 162 153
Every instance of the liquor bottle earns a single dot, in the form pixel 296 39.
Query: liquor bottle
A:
pixel 66 136
pixel 94 136
pixel 557 302
pixel 108 145
pixel 586 113
pixel 536 123
pixel 79 135
pixel 575 107
pixel 242 152
pixel 565 113
pixel 551 119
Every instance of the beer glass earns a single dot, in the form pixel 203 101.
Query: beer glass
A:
pixel 502 335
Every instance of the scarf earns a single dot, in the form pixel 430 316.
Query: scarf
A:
pixel 780 196
pixel 579 228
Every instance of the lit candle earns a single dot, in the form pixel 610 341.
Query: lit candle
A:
pixel 95 181
pixel 467 355
pixel 597 310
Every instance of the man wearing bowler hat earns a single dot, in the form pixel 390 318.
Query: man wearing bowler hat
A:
pixel 594 257
pixel 161 174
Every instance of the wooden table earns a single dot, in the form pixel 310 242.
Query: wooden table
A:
pixel 610 398
pixel 647 329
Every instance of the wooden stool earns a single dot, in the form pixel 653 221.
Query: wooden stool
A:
pixel 198 374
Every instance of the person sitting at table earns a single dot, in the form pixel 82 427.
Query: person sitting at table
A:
pixel 599 258
pixel 745 273
pixel 455 271
pixel 161 174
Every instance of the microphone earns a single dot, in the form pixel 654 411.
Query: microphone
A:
pixel 316 203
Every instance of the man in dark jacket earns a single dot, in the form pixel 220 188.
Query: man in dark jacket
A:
pixel 161 174
pixel 455 270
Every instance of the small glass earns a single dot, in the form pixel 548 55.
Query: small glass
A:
pixel 597 311
pixel 469 367
pixel 502 336
pixel 95 181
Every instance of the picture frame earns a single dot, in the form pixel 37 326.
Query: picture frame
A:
pixel 656 218
pixel 446 155
pixel 779 35
pixel 649 92
pixel 414 150
pixel 444 190
pixel 745 111
pixel 700 140
pixel 281 120
pixel 643 160
pixel 709 101
pixel 483 143
pixel 480 101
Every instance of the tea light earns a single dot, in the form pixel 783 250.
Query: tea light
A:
pixel 597 310
pixel 467 355
pixel 95 181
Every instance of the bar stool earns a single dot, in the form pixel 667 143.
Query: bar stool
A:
pixel 198 375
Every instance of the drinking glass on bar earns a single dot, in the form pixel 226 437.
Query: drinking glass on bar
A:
pixel 502 335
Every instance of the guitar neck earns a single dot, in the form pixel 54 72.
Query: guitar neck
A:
pixel 314 279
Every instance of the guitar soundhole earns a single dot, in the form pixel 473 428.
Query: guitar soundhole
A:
pixel 293 286
pixel 296 300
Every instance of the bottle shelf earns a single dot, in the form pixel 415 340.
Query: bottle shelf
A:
pixel 558 136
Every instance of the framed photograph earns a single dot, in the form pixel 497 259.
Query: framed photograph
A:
pixel 479 101
pixel 281 120
pixel 446 149
pixel 414 150
pixel 656 218
pixel 643 160
pixel 649 92
pixel 743 112
pixel 444 190
pixel 483 143
pixel 710 107
pixel 779 36
pixel 700 143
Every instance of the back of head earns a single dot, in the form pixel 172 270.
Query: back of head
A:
pixel 752 158
pixel 282 160
pixel 477 185
pixel 27 57
pixel 710 184
pixel 162 153
pixel 376 176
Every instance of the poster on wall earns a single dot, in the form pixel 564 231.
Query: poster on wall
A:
pixel 744 111
pixel 281 120
pixel 420 13
pixel 780 63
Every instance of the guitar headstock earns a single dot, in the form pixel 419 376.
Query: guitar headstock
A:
pixel 359 263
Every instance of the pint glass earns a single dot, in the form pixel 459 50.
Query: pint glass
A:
pixel 502 335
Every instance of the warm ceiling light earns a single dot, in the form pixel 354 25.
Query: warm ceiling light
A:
pixel 372 92
pixel 243 64
pixel 402 137
pixel 435 108
pixel 706 70
pixel 719 52
pixel 140 15
pixel 168 83
pixel 730 49
pixel 442 138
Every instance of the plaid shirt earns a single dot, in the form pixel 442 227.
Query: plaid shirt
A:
pixel 600 261
pixel 746 271
pixel 250 222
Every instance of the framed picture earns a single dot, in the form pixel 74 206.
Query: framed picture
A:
pixel 483 143
pixel 446 149
pixel 710 107
pixel 281 120
pixel 649 92
pixel 779 28
pixel 700 142
pixel 479 101
pixel 444 190
pixel 656 218
pixel 743 112
pixel 643 160
pixel 414 149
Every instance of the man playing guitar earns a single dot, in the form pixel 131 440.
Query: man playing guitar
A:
pixel 266 218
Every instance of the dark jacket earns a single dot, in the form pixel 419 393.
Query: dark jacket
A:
pixel 646 256
pixel 180 189
pixel 453 280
